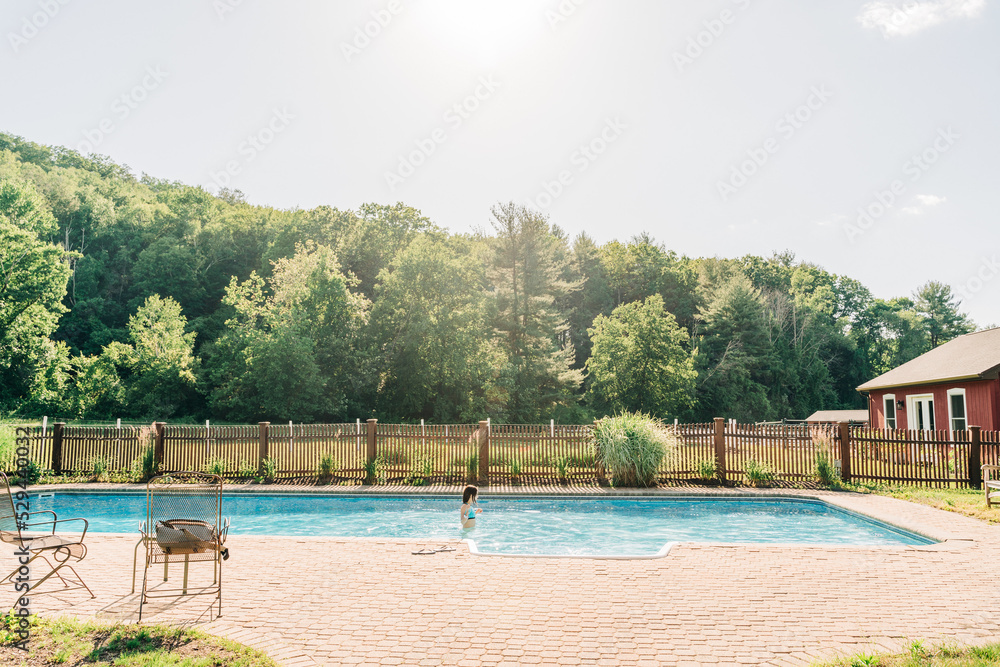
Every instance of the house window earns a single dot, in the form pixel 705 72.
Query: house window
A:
pixel 956 409
pixel 889 401
pixel 920 412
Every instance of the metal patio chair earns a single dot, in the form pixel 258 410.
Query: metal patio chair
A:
pixel 991 483
pixel 183 524
pixel 39 539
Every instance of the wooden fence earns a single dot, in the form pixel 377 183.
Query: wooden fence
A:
pixel 503 453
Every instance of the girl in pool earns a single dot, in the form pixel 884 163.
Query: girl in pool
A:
pixel 469 509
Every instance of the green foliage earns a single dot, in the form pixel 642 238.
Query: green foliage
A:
pixel 514 468
pixel 631 447
pixel 528 272
pixel 938 306
pixel 145 467
pixel 638 362
pixel 377 471
pixel 141 297
pixel 216 465
pixel 561 464
pixel 269 469
pixel 758 473
pixel 245 470
pixel 826 472
pixel 8 447
pixel 472 468
pixel 706 469
pixel 328 467
pixel 100 468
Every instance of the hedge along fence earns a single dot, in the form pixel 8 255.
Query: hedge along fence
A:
pixel 454 453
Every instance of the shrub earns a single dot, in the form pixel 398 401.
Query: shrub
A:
pixel 826 472
pixel 514 466
pixel 631 447
pixel 472 468
pixel 757 473
pixel 269 469
pixel 29 474
pixel 561 464
pixel 216 466
pixel 327 468
pixel 245 470
pixel 377 471
pixel 706 469
pixel 100 467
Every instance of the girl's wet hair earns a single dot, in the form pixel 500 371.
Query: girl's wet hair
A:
pixel 469 493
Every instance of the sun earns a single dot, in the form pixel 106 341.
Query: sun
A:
pixel 484 31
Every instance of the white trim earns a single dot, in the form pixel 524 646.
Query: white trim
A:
pixel 886 398
pixel 965 408
pixel 911 413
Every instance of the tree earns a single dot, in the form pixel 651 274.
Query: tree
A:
pixel 528 270
pixel 938 307
pixel 33 277
pixel 733 354
pixel 639 362
pixel 438 356
pixel 292 349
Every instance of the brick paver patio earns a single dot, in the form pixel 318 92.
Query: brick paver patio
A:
pixel 340 601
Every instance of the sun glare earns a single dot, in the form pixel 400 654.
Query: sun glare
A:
pixel 480 30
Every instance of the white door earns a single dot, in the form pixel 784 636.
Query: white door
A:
pixel 920 412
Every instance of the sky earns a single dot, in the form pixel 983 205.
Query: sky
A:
pixel 862 136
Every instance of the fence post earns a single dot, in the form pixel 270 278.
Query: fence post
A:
pixel 372 453
pixel 720 448
pixel 263 435
pixel 57 447
pixel 975 458
pixel 483 476
pixel 845 451
pixel 158 444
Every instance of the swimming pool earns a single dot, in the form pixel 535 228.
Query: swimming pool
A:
pixel 607 527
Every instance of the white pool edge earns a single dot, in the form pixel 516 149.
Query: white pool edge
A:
pixel 474 550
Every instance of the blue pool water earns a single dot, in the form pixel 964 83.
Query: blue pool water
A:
pixel 517 526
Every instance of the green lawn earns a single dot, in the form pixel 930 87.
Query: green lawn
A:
pixel 970 502
pixel 919 655
pixel 67 641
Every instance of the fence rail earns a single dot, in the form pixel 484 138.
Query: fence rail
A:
pixel 454 453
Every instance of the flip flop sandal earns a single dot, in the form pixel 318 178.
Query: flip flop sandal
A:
pixel 444 548
pixel 423 552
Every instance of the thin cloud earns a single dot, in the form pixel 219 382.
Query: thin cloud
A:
pixel 908 18
pixel 924 202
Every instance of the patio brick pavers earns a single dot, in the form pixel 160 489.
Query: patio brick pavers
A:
pixel 331 601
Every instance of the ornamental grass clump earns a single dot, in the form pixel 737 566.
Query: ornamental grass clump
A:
pixel 632 447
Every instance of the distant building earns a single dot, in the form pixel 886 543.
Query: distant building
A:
pixel 837 416
pixel 952 387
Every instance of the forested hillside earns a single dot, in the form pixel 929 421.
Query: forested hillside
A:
pixel 141 298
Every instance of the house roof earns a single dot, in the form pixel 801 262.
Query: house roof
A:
pixel 838 416
pixel 974 356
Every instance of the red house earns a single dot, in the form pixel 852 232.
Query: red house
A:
pixel 952 387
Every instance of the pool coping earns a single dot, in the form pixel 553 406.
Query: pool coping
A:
pixel 849 501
